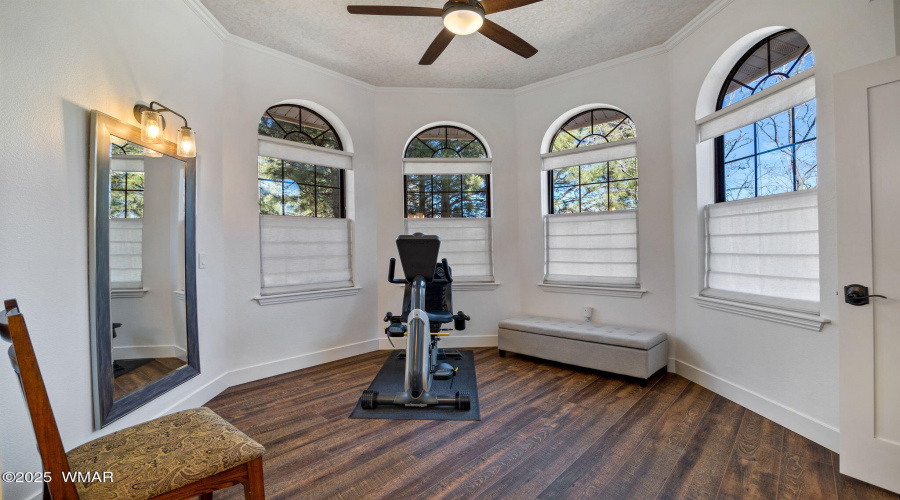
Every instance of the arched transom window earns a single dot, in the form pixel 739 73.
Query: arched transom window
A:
pixel 445 142
pixel 778 153
pixel 597 126
pixel 299 124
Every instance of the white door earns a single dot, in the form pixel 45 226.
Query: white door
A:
pixel 867 147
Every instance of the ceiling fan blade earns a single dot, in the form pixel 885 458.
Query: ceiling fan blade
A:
pixel 437 47
pixel 492 6
pixel 507 38
pixel 394 10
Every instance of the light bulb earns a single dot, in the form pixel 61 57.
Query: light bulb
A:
pixel 187 144
pixel 151 127
pixel 463 20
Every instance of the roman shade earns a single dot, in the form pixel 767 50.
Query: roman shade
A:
pixel 597 248
pixel 304 253
pixel 446 166
pixel 304 153
pixel 765 251
pixel 785 95
pixel 125 253
pixel 589 155
pixel 465 243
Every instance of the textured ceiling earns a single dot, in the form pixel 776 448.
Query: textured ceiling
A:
pixel 384 51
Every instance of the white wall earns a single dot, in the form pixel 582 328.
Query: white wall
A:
pixel 400 113
pixel 640 89
pixel 60 60
pixel 785 373
pixel 279 338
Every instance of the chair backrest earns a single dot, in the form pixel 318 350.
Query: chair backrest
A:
pixel 24 363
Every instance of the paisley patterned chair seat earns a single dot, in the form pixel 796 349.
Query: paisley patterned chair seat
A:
pixel 161 455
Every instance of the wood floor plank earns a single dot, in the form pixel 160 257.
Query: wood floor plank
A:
pixel 546 428
pixel 755 464
pixel 598 464
pixel 806 470
pixel 534 474
pixel 646 471
pixel 700 470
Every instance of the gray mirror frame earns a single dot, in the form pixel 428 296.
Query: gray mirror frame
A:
pixel 106 408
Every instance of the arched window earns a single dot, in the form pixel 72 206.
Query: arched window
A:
pixel 299 188
pixel 305 236
pixel 762 240
pixel 447 192
pixel 447 189
pixel 778 153
pixel 590 226
pixel 597 184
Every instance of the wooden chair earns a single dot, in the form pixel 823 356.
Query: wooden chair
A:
pixel 179 456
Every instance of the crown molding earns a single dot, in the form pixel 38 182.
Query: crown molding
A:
pixel 208 19
pixel 694 24
pixel 708 13
pixel 219 30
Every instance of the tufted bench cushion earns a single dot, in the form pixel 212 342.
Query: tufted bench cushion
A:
pixel 597 333
pixel 618 349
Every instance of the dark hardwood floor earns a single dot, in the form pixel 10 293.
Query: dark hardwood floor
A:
pixel 143 375
pixel 547 430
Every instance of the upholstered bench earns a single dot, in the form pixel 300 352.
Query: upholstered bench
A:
pixel 617 349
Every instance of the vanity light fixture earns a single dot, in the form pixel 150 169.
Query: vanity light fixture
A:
pixel 153 124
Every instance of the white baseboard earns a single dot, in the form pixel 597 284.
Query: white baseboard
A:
pixel 272 368
pixel 149 351
pixel 808 427
pixel 263 370
pixel 453 341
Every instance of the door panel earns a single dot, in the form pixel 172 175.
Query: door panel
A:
pixel 867 151
pixel 884 152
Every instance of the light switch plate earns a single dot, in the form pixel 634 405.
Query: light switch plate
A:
pixel 201 260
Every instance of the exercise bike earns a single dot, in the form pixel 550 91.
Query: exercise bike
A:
pixel 427 305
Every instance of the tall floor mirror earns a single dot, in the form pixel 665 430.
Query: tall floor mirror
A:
pixel 142 268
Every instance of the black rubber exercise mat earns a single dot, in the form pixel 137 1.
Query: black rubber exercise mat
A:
pixel 390 380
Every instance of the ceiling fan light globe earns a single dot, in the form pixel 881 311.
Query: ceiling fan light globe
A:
pixel 463 21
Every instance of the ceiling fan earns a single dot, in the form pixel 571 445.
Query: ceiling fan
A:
pixel 461 17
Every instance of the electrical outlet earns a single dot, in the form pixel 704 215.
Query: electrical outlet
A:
pixel 588 313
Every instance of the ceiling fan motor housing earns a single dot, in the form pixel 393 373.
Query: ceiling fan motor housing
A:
pixel 471 5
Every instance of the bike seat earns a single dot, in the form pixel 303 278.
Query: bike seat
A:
pixel 433 317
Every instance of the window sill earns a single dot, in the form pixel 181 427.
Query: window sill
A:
pixel 806 321
pixel 483 286
pixel 268 300
pixel 472 286
pixel 127 293
pixel 631 292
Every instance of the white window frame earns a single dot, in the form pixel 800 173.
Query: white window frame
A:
pixel 314 155
pixel 782 96
pixel 599 153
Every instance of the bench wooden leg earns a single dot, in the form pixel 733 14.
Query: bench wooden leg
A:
pixel 253 487
pixel 206 496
